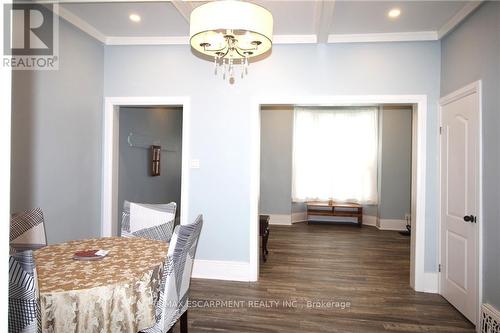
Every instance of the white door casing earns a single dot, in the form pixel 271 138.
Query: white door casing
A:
pixel 109 200
pixel 460 200
pixel 418 275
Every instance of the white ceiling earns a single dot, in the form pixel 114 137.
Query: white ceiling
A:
pixel 166 22
pixel 291 17
pixel 111 19
pixel 361 17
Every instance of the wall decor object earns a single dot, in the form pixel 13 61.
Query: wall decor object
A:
pixel 143 141
pixel 155 160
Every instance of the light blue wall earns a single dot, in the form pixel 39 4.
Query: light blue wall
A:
pixel 276 136
pixel 56 138
pixel 470 53
pixel 395 131
pixel 395 163
pixel 220 115
pixel 135 181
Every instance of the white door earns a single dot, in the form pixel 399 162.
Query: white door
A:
pixel 460 199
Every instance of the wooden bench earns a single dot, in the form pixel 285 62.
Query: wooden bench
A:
pixel 335 209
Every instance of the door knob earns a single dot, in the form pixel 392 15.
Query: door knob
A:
pixel 470 218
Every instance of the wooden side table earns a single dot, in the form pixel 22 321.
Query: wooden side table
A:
pixel 264 233
pixel 326 208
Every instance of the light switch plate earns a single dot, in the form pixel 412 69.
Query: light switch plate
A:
pixel 194 164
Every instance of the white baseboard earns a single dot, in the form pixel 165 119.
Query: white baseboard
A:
pixel 299 217
pixel 431 282
pixel 382 224
pixel 221 270
pixel 280 219
pixel 370 220
pixel 390 224
pixel 367 219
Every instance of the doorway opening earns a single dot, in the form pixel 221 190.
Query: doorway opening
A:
pixel 150 156
pixel 338 165
pixel 127 141
pixel 418 280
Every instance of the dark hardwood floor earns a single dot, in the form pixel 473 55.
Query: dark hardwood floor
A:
pixel 362 272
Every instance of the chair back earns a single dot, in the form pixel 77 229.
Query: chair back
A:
pixel 151 221
pixel 176 277
pixel 28 227
pixel 24 309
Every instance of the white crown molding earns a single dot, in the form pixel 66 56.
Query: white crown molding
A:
pixel 81 24
pixel 184 40
pixel 383 37
pixel 167 40
pixel 458 18
pixel 98 1
pixel 294 39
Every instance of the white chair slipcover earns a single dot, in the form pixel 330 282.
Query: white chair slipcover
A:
pixel 152 221
pixel 28 227
pixel 176 277
pixel 24 314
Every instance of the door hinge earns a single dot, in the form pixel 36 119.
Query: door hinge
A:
pixel 439 268
pixel 440 130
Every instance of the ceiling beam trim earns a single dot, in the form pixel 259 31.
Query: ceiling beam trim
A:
pixel 384 37
pixel 295 39
pixel 97 1
pixel 184 40
pixel 80 23
pixel 184 8
pixel 170 40
pixel 323 19
pixel 459 17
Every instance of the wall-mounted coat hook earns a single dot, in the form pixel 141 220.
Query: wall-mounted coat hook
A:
pixel 143 141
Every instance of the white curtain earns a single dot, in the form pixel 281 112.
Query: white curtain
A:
pixel 335 154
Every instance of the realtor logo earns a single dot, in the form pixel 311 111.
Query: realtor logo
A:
pixel 30 36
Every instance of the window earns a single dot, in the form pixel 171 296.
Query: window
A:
pixel 335 154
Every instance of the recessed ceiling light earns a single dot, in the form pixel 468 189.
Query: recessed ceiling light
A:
pixel 393 13
pixel 134 18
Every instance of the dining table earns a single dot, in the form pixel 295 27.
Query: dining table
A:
pixel 116 293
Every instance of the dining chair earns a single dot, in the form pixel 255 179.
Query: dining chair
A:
pixel 172 303
pixel 28 227
pixel 24 309
pixel 152 221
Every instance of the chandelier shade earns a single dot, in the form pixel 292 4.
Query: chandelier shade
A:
pixel 231 29
pixel 231 32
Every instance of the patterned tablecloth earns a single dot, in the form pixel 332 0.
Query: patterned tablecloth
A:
pixel 115 294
